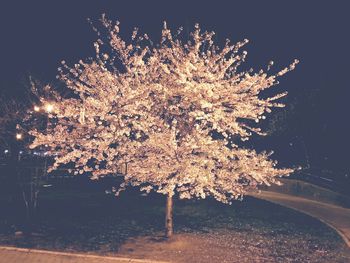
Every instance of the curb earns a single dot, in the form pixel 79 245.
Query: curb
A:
pixel 39 251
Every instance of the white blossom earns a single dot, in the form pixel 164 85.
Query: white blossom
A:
pixel 154 108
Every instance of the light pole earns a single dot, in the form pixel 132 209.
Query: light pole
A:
pixel 47 108
pixel 19 137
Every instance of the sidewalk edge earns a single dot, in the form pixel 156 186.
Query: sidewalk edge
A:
pixel 39 251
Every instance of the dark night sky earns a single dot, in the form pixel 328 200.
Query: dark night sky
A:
pixel 37 35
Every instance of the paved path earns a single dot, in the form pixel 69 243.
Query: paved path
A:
pixel 335 216
pixel 20 255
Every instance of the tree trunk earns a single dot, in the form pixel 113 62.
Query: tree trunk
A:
pixel 169 216
pixel 30 191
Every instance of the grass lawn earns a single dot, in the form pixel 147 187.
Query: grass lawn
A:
pixel 206 231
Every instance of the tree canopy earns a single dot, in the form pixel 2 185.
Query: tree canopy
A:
pixel 155 107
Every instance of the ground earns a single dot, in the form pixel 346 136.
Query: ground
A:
pixel 333 215
pixel 251 230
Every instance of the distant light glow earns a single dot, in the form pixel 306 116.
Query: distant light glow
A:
pixel 6 151
pixel 36 108
pixel 49 107
pixel 19 136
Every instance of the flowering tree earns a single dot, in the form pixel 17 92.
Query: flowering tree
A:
pixel 156 107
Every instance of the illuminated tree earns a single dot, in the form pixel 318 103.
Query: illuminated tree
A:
pixel 156 108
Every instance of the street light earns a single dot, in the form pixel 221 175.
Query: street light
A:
pixel 49 107
pixel 36 108
pixel 19 136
